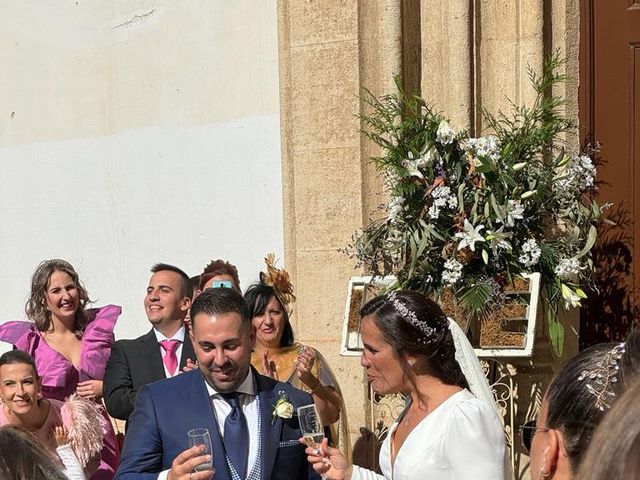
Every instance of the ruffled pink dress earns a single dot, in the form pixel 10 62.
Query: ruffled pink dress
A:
pixel 60 377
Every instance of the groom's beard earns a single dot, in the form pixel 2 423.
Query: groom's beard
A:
pixel 226 378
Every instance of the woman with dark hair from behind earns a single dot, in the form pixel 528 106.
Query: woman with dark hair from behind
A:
pixel 445 432
pixel 575 403
pixel 614 451
pixel 23 457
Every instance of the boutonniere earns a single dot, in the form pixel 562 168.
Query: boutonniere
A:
pixel 282 408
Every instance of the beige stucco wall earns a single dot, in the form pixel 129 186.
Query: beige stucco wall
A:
pixel 474 55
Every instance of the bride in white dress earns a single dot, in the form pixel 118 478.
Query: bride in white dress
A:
pixel 445 432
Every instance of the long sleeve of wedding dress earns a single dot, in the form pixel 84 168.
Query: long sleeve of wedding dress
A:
pixel 459 440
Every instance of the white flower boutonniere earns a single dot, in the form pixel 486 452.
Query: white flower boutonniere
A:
pixel 282 408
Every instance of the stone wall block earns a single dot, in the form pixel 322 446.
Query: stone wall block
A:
pixel 328 204
pixel 446 59
pixel 323 21
pixel 324 108
pixel 498 20
pixel 322 295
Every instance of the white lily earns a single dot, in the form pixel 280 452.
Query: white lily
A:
pixel 572 299
pixel 513 212
pixel 498 239
pixel 413 166
pixel 445 133
pixel 469 236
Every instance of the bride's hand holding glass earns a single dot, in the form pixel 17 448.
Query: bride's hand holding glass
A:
pixel 328 462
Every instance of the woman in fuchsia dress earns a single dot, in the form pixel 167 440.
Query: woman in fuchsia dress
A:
pixel 70 345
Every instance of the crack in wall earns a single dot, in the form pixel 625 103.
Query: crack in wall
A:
pixel 136 19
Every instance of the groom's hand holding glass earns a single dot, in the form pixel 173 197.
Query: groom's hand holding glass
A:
pixel 184 465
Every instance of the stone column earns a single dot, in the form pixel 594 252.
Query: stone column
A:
pixel 447 59
pixel 329 51
pixel 509 39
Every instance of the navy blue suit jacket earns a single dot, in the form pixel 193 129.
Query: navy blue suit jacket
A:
pixel 166 410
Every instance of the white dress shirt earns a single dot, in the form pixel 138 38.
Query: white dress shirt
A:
pixel 179 335
pixel 250 408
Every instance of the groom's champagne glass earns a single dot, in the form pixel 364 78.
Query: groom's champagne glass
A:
pixel 200 436
pixel 310 425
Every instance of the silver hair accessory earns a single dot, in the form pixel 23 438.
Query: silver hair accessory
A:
pixel 47 263
pixel 412 318
pixel 600 378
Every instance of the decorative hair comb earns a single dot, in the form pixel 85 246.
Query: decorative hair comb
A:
pixel 46 264
pixel 600 378
pixel 428 331
pixel 278 279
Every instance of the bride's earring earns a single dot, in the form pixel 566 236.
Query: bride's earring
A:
pixel 544 474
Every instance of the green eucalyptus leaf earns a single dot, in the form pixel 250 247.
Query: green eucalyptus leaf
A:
pixel 591 240
pixel 496 207
pixel 556 334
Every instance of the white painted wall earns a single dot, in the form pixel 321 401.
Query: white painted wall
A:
pixel 133 132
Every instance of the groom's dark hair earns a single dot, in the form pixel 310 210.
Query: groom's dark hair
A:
pixel 218 301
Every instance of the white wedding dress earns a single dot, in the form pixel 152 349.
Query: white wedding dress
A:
pixel 461 439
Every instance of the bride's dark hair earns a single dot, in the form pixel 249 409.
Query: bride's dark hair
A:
pixel 427 334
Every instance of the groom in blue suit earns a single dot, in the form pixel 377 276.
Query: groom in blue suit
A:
pixel 250 438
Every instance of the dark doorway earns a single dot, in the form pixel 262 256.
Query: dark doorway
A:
pixel 610 114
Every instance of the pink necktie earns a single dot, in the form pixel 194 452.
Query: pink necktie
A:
pixel 170 359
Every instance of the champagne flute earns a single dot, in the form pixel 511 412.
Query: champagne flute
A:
pixel 200 436
pixel 310 425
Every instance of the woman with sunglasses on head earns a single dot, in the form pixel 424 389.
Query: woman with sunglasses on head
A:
pixel 575 403
pixel 70 343
pixel 449 429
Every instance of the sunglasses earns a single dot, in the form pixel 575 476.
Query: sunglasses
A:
pixel 527 431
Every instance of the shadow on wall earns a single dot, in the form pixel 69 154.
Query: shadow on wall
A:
pixel 611 311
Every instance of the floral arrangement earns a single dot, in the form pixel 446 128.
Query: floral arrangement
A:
pixel 470 214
